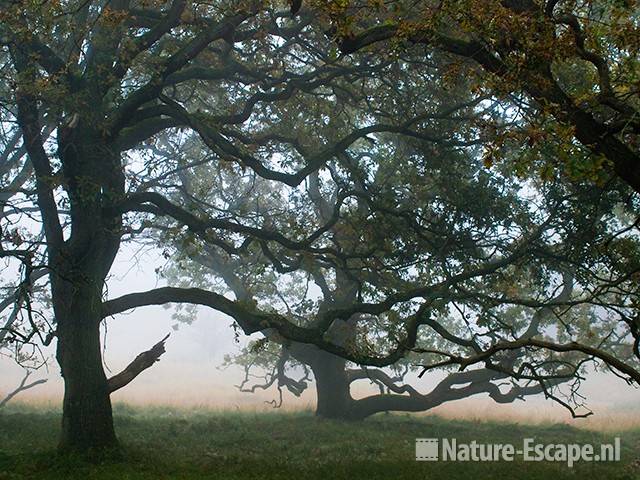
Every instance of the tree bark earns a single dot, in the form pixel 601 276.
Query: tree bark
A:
pixel 140 364
pixel 95 182
pixel 332 386
pixel 333 394
pixel 87 421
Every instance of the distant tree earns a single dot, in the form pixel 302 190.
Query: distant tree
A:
pixel 416 227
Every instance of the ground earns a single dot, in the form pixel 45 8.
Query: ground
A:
pixel 165 443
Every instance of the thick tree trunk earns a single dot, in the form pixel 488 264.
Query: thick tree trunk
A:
pixel 87 422
pixel 95 183
pixel 332 386
pixel 332 383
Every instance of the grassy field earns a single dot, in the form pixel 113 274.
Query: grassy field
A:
pixel 163 443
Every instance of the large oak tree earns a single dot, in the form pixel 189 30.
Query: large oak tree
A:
pixel 92 91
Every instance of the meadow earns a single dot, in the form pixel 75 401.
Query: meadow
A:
pixel 172 443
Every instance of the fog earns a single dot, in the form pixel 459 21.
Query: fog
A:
pixel 190 375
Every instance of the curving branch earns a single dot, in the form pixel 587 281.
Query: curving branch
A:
pixel 464 362
pixel 21 388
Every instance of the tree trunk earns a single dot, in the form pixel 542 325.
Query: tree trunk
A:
pixel 332 386
pixel 87 422
pixel 333 390
pixel 332 383
pixel 95 183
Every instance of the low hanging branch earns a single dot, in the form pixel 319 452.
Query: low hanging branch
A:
pixel 139 364
pixel 21 388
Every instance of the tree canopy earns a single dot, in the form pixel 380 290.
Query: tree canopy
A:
pixel 568 69
pixel 288 152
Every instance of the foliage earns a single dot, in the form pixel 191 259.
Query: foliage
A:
pixel 566 71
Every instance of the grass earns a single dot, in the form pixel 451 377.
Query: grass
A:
pixel 164 443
